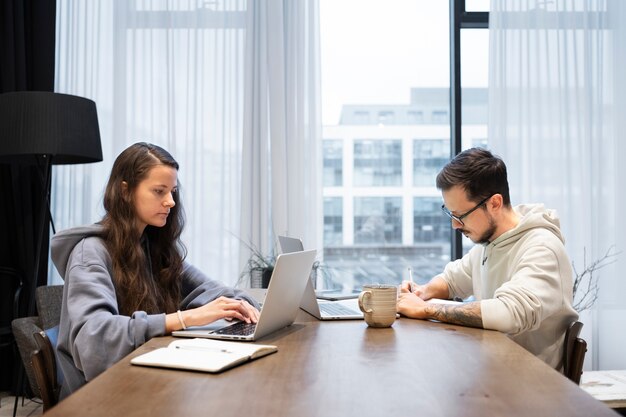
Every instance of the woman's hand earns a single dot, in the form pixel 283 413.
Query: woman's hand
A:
pixel 253 313
pixel 220 308
pixel 225 308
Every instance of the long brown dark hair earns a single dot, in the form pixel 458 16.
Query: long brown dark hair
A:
pixel 146 269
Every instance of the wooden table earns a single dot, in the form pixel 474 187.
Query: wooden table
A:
pixel 417 368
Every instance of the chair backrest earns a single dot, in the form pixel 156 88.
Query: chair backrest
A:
pixel 45 369
pixel 574 350
pixel 49 299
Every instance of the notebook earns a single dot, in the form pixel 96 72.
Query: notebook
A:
pixel 321 309
pixel 203 355
pixel 280 308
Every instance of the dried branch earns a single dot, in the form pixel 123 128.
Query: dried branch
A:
pixel 586 284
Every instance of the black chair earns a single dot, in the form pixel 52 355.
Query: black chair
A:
pixel 45 369
pixel 574 350
pixel 49 300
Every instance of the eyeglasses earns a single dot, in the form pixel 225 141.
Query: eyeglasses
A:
pixel 462 216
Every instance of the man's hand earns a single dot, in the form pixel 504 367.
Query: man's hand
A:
pixel 410 287
pixel 411 305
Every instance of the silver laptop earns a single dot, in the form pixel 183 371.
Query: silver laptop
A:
pixel 322 309
pixel 280 308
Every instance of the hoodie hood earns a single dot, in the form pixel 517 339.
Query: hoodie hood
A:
pixel 531 216
pixel 63 244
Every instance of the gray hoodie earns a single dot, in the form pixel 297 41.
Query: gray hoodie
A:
pixel 93 335
pixel 523 280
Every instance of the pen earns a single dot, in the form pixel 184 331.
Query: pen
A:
pixel 410 280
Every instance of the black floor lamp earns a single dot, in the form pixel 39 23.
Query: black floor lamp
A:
pixel 44 129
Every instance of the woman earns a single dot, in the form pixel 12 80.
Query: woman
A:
pixel 125 278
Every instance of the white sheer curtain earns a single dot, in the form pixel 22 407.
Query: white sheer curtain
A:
pixel 282 125
pixel 557 103
pixel 172 73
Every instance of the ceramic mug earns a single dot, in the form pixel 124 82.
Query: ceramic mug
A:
pixel 378 304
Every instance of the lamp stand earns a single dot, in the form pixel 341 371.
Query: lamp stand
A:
pixel 44 211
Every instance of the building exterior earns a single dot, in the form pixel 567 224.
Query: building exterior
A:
pixel 381 207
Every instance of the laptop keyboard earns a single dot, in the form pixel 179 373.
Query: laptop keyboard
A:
pixel 336 309
pixel 240 328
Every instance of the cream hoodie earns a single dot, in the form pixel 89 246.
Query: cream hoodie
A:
pixel 523 281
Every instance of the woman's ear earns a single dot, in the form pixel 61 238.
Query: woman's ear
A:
pixel 124 189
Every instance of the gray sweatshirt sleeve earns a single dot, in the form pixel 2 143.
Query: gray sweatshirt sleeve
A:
pixel 198 289
pixel 93 335
pixel 92 329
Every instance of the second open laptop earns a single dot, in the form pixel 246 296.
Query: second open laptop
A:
pixel 322 309
pixel 281 305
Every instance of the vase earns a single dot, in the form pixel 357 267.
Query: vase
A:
pixel 260 277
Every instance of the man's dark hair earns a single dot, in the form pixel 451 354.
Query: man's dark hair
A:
pixel 478 172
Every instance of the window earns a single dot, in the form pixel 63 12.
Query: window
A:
pixel 415 116
pixel 385 98
pixel 429 156
pixel 477 5
pixel 379 89
pixel 377 162
pixel 428 225
pixel 377 220
pixel 386 117
pixel 333 163
pixel 439 116
pixel 361 117
pixel 479 143
pixel 333 221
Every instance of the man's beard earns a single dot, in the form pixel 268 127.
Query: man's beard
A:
pixel 484 238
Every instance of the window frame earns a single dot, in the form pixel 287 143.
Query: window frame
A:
pixel 459 19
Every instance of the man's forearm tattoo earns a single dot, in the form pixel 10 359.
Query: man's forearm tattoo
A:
pixel 465 314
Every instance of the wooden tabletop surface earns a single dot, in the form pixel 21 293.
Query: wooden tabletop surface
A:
pixel 344 368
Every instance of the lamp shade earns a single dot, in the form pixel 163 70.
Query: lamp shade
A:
pixel 61 126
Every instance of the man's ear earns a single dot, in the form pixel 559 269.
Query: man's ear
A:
pixel 496 202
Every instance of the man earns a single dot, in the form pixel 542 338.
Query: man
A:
pixel 519 273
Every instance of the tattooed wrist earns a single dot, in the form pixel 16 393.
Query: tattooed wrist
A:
pixel 466 315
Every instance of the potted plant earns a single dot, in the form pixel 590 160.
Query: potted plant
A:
pixel 259 268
